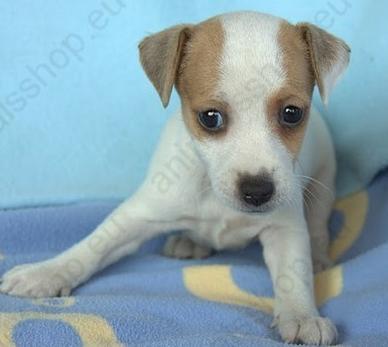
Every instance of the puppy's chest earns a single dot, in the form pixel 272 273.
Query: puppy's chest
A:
pixel 225 233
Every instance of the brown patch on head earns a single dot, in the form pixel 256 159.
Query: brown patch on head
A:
pixel 198 76
pixel 297 89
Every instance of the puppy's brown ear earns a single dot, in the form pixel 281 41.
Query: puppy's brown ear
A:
pixel 329 57
pixel 160 56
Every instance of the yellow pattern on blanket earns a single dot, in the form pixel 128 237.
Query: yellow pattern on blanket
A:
pixel 92 330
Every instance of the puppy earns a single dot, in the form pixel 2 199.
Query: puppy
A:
pixel 236 164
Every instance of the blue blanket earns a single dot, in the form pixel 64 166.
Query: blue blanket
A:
pixel 226 300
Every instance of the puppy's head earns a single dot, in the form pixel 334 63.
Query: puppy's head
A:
pixel 245 82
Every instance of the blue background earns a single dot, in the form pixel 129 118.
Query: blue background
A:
pixel 86 127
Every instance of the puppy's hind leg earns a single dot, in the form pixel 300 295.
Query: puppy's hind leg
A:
pixel 182 247
pixel 132 223
pixel 319 198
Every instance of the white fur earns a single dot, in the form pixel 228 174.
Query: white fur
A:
pixel 189 186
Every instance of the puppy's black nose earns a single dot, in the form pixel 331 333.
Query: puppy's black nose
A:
pixel 256 190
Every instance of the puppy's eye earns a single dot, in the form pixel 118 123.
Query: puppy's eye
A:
pixel 291 116
pixel 212 120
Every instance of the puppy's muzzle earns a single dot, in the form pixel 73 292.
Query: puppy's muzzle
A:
pixel 256 190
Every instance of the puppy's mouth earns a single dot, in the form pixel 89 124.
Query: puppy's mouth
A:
pixel 262 209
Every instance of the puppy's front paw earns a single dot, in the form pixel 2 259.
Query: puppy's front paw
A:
pixel 35 281
pixel 313 330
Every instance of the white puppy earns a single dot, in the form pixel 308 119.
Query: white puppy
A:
pixel 235 165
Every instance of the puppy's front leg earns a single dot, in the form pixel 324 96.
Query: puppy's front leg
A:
pixel 288 257
pixel 120 234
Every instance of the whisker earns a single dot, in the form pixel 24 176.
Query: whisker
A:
pixel 307 197
pixel 307 200
pixel 315 181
